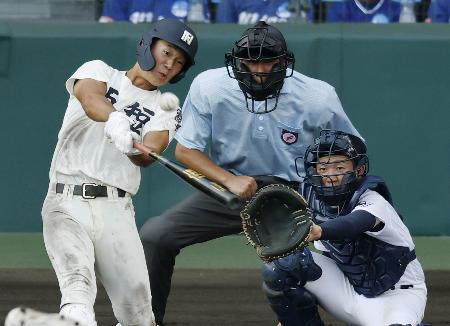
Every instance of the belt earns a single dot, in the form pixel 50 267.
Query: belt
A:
pixel 402 287
pixel 89 190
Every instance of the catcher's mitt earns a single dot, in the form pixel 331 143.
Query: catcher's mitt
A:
pixel 276 222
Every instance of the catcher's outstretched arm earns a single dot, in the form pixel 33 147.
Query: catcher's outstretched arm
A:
pixel 345 227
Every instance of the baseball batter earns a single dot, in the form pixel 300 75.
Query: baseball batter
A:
pixel 88 215
pixel 241 124
pixel 369 274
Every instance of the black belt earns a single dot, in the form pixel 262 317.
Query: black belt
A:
pixel 89 190
pixel 403 287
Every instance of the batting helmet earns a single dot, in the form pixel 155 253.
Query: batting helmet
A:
pixel 332 142
pixel 261 42
pixel 174 32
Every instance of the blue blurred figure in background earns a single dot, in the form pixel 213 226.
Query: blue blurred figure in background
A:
pixel 439 11
pixel 364 11
pixel 252 11
pixel 146 11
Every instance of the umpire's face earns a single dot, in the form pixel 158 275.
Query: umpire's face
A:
pixel 260 68
pixel 169 62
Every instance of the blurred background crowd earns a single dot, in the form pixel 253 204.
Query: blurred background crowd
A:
pixel 231 11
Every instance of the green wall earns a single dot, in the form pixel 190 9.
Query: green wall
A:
pixel 393 81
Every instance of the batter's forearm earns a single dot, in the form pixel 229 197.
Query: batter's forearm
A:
pixel 141 160
pixel 91 94
pixel 156 141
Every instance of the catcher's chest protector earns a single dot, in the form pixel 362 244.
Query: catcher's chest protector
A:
pixel 372 266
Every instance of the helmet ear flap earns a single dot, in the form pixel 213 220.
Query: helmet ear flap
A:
pixel 144 53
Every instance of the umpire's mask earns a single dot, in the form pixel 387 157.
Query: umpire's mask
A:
pixel 260 43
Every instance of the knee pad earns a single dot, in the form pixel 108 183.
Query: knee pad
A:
pixel 294 307
pixel 291 271
pixel 277 279
pixel 301 266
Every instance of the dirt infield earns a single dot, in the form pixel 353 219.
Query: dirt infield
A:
pixel 199 297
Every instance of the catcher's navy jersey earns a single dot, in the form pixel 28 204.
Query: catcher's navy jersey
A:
pixel 251 11
pixel 258 144
pixel 138 11
pixel 439 11
pixel 384 11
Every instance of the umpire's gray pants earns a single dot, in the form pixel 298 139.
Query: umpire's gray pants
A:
pixel 196 219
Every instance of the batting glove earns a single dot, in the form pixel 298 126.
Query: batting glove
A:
pixel 117 130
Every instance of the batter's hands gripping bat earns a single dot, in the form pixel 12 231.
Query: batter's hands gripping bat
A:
pixel 195 179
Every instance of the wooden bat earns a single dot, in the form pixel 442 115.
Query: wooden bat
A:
pixel 195 179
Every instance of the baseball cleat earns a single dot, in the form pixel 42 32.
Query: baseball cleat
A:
pixel 22 316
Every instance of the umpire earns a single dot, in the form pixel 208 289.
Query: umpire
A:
pixel 257 114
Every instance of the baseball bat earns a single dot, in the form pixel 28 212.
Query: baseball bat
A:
pixel 195 179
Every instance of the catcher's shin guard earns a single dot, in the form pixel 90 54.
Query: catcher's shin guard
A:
pixel 295 307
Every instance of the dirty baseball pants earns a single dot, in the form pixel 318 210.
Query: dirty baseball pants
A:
pixel 196 219
pixel 85 237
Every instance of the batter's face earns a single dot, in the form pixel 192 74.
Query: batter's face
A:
pixel 333 169
pixel 169 62
pixel 261 66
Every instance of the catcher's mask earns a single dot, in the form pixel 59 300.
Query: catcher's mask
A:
pixel 260 43
pixel 329 143
pixel 174 32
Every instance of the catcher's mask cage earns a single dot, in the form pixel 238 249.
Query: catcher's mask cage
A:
pixel 260 43
pixel 173 31
pixel 331 142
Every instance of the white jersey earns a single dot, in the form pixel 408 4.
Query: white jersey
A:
pixel 395 306
pixel 394 232
pixel 83 154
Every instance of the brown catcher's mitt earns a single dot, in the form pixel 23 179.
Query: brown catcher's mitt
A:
pixel 276 222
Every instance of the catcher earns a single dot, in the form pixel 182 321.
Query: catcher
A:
pixel 368 273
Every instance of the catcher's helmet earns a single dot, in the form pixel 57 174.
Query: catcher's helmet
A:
pixel 332 142
pixel 261 42
pixel 174 32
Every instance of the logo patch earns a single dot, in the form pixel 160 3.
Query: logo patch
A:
pixel 187 37
pixel 289 137
pixel 364 204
